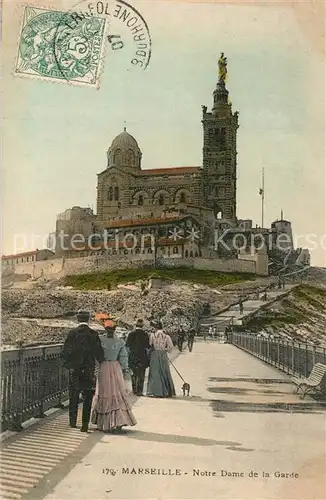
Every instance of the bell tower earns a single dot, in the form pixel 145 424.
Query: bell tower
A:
pixel 220 150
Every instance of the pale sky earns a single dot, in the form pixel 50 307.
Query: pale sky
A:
pixel 56 135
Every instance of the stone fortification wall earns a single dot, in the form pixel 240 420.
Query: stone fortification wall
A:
pixel 97 264
pixel 84 265
pixel 47 268
pixel 93 264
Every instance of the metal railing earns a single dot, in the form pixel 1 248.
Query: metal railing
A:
pixel 32 381
pixel 292 357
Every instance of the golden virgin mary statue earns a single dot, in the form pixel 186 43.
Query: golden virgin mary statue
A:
pixel 222 68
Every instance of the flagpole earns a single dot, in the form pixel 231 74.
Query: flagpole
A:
pixel 262 194
pixel 263 198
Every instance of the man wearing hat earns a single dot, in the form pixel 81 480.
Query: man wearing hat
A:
pixel 138 346
pixel 81 348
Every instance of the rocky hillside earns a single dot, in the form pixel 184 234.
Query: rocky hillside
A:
pixel 183 299
pixel 300 316
pixel 175 303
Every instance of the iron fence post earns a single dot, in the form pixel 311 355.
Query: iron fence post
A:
pixel 17 393
pixel 60 383
pixel 313 355
pixel 43 375
pixel 306 361
pixel 288 356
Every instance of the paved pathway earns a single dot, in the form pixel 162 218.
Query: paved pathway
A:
pixel 250 305
pixel 241 416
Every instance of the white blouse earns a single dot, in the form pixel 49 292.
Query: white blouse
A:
pixel 160 341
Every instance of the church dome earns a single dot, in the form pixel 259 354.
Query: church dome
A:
pixel 124 141
pixel 124 151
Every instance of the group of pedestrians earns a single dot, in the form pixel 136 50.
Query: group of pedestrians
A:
pixel 105 401
pixel 181 337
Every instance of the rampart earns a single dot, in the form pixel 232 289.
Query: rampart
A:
pixel 56 268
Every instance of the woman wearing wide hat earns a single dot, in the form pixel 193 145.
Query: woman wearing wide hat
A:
pixel 111 409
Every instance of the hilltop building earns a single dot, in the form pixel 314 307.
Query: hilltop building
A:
pixel 186 200
pixel 176 212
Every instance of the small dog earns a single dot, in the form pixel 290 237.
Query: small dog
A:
pixel 186 388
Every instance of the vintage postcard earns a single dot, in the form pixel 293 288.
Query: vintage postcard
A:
pixel 163 272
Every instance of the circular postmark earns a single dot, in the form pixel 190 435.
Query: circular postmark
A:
pixel 125 28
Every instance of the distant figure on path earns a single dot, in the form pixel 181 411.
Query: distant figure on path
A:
pixel 160 383
pixel 81 348
pixel 138 347
pixel 181 339
pixel 191 338
pixel 111 410
pixel 210 332
pixel 241 306
pixel 228 334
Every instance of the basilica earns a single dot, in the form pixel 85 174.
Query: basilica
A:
pixel 191 198
pixel 184 210
pixel 173 213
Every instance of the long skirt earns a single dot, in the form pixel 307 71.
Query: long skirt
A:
pixel 160 383
pixel 110 409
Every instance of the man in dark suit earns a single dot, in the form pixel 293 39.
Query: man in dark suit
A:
pixel 181 338
pixel 191 338
pixel 81 348
pixel 138 347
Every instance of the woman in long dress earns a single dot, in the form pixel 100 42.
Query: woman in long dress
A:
pixel 160 383
pixel 111 410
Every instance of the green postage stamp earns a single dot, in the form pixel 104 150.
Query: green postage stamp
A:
pixel 57 46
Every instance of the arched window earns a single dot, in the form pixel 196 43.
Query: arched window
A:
pixel 183 198
pixel 161 199
pixel 116 193
pixel 117 157
pixel 140 200
pixel 186 253
pixel 110 194
pixel 150 250
pixel 191 254
pixel 196 254
pixel 175 250
pixel 130 157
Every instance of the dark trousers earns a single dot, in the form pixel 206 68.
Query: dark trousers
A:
pixel 73 405
pixel 137 379
pixel 190 344
pixel 80 384
pixel 180 343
